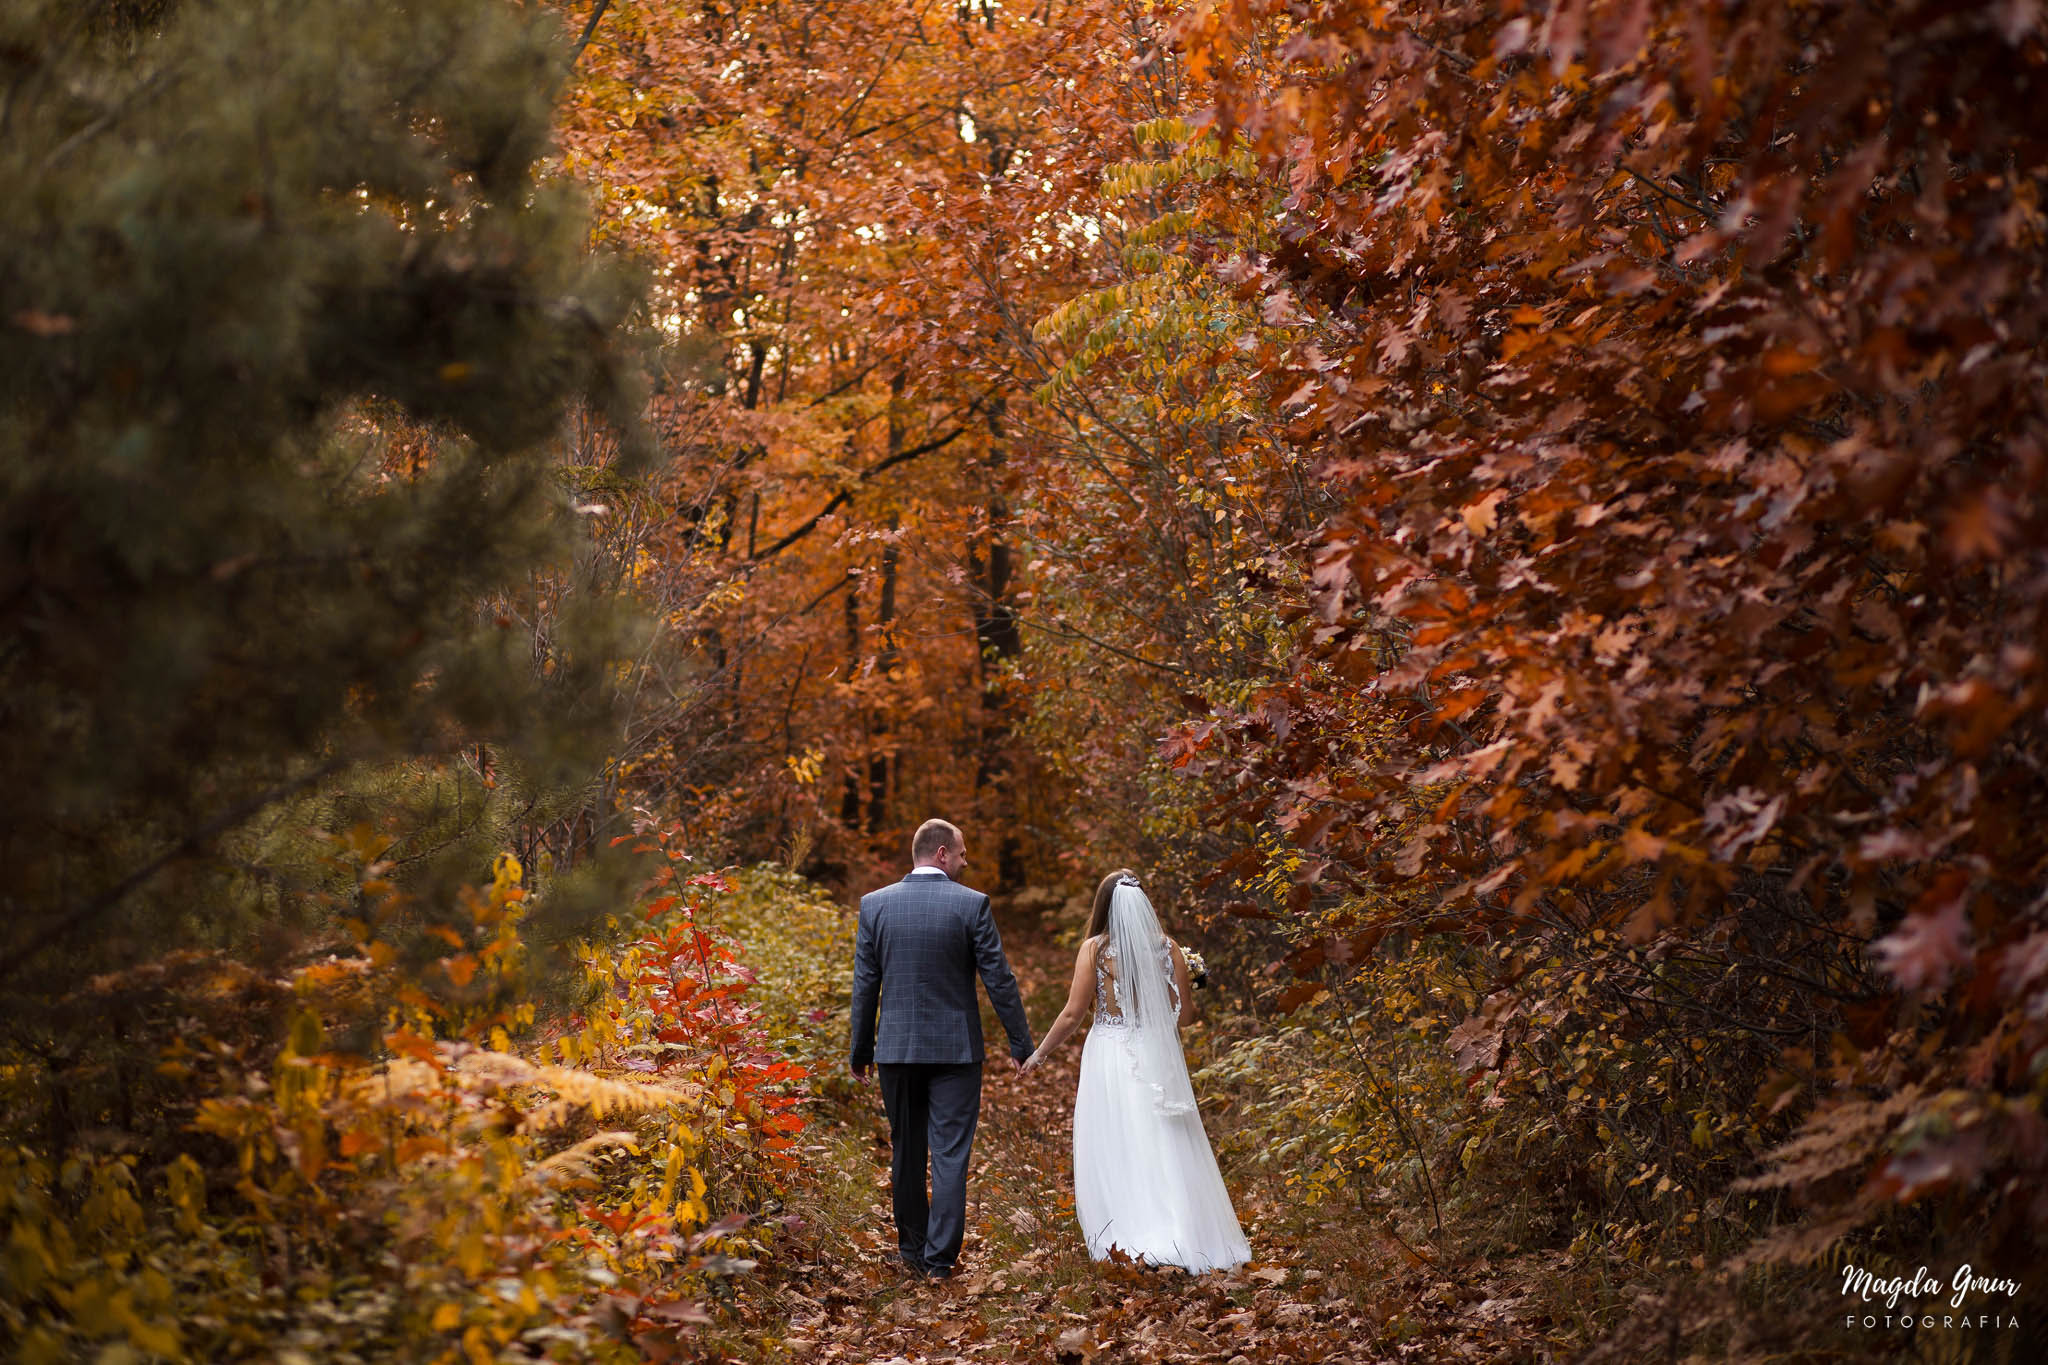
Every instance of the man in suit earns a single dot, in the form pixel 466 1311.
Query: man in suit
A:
pixel 920 944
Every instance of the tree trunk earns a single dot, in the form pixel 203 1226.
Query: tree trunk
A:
pixel 889 657
pixel 997 632
pixel 849 796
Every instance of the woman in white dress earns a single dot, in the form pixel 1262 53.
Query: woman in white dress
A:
pixel 1145 1180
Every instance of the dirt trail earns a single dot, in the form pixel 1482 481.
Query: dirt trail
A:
pixel 1026 1290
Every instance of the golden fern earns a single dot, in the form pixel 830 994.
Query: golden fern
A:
pixel 395 1080
pixel 581 1091
pixel 487 1073
pixel 498 1069
pixel 578 1162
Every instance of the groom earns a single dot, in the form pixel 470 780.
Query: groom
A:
pixel 919 946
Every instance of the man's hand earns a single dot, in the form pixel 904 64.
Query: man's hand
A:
pixel 860 1073
pixel 1026 1063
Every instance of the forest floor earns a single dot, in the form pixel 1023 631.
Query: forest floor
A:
pixel 1025 1289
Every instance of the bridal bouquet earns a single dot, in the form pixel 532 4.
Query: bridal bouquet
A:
pixel 1198 970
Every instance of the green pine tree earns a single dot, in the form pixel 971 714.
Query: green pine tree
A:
pixel 241 245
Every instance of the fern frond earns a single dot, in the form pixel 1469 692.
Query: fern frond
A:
pixel 501 1069
pixel 396 1079
pixel 579 1161
pixel 584 1092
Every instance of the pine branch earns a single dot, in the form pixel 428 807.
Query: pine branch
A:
pixel 81 918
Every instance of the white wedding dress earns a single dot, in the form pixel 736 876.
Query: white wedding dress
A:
pixel 1145 1179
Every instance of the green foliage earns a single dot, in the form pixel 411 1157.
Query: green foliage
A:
pixel 1161 501
pixel 289 317
pixel 1352 1096
pixel 800 950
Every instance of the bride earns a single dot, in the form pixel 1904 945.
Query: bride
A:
pixel 1145 1181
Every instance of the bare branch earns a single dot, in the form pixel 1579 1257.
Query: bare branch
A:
pixel 845 495
pixel 589 28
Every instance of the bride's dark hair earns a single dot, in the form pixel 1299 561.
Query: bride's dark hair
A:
pixel 1098 920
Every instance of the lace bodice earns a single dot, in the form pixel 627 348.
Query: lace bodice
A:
pixel 1108 1001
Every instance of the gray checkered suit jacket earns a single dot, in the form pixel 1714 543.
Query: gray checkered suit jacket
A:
pixel 920 945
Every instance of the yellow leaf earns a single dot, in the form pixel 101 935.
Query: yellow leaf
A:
pixel 188 1193
pixel 474 1258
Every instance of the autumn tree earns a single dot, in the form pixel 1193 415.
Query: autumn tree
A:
pixel 1680 370
pixel 856 208
pixel 1665 652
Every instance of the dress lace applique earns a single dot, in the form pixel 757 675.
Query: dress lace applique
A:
pixel 1109 1000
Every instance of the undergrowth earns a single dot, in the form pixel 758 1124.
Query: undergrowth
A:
pixel 368 1161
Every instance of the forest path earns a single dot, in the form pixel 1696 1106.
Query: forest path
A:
pixel 1025 1288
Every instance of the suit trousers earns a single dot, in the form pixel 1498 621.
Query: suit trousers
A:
pixel 932 1112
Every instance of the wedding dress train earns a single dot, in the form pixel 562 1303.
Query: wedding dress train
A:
pixel 1145 1179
